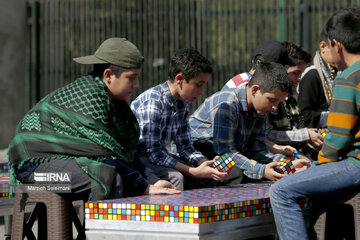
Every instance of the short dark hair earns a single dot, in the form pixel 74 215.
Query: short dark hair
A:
pixel 344 27
pixel 295 51
pixel 98 69
pixel 189 62
pixel 271 76
pixel 323 37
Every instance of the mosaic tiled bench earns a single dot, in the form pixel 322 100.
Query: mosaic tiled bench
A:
pixel 6 203
pixel 239 212
pixel 4 186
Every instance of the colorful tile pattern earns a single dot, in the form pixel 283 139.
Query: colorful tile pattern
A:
pixel 193 206
pixel 224 164
pixel 285 166
pixel 4 186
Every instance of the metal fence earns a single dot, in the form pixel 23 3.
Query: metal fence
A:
pixel 225 31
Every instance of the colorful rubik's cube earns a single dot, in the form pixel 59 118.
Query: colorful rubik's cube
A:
pixel 224 163
pixel 295 153
pixel 323 131
pixel 4 165
pixel 285 167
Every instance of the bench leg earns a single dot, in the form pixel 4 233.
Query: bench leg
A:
pixel 7 226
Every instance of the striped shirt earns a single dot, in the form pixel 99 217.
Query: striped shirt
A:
pixel 224 120
pixel 343 139
pixel 163 119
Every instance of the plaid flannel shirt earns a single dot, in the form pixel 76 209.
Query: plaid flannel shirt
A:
pixel 225 120
pixel 163 119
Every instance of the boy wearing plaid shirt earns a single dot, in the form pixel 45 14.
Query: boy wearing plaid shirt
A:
pixel 162 113
pixel 233 121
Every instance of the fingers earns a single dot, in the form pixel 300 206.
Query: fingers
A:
pixel 171 191
pixel 289 148
pixel 274 176
pixel 216 158
pixel 162 190
pixel 218 177
pixel 273 164
pixel 209 162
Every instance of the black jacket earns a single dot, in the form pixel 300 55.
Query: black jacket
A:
pixel 311 100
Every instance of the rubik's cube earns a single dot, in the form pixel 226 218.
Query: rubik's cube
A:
pixel 224 163
pixel 285 167
pixel 294 152
pixel 4 165
pixel 323 131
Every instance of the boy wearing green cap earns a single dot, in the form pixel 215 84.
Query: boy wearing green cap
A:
pixel 87 129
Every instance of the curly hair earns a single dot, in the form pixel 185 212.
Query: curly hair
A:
pixel 297 52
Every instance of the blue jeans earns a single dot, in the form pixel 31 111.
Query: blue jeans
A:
pixel 324 185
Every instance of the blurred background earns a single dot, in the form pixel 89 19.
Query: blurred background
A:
pixel 38 39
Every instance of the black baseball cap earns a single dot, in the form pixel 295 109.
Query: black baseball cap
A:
pixel 274 51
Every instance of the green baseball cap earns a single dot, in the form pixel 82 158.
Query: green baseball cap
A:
pixel 116 51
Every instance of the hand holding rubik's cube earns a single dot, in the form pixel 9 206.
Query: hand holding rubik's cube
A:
pixel 285 167
pixel 224 163
pixel 323 131
pixel 295 154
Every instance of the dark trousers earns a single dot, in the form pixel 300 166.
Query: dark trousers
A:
pixel 81 182
pixel 180 181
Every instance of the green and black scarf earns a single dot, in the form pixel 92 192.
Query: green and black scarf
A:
pixel 79 122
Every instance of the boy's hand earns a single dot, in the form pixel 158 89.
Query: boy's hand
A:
pixel 301 164
pixel 164 184
pixel 316 139
pixel 271 174
pixel 205 170
pixel 286 150
pixel 160 190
